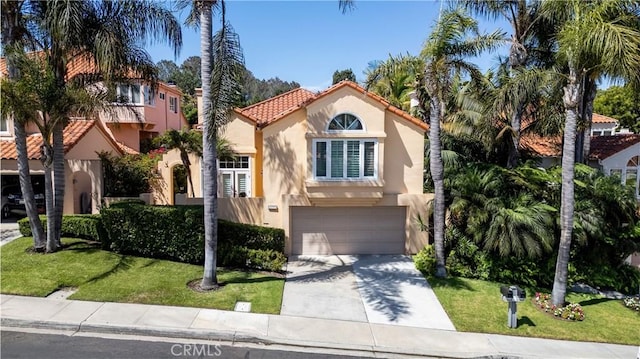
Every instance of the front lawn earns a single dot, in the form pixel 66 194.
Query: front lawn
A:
pixel 105 276
pixel 476 306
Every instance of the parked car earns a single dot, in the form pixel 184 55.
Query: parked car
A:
pixel 12 201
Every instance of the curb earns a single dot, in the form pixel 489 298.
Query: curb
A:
pixel 226 336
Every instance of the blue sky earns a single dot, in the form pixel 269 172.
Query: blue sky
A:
pixel 306 41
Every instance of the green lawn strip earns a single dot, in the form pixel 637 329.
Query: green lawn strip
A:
pixel 476 306
pixel 105 276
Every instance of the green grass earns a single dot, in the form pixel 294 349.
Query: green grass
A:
pixel 105 276
pixel 476 306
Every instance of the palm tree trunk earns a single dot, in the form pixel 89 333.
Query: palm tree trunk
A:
pixel 590 95
pixel 209 278
pixel 571 98
pixel 437 174
pixel 516 123
pixel 47 160
pixel 26 186
pixel 58 181
pixel 11 28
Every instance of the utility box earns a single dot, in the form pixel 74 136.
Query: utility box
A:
pixel 512 295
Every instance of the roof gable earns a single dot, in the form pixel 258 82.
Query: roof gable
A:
pixel 275 108
pixel 73 133
pixel 607 146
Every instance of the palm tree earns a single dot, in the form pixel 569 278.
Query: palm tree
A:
pixel 13 37
pixel 221 65
pixel 109 34
pixel 591 34
pixel 187 142
pixel 395 79
pixel 528 37
pixel 454 37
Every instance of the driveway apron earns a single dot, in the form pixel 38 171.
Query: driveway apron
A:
pixel 322 287
pixel 379 289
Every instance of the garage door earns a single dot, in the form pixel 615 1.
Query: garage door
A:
pixel 348 230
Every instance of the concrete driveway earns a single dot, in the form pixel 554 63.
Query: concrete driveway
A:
pixel 381 289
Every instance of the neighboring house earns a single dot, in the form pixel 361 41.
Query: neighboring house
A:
pixel 606 126
pixel 120 130
pixel 83 170
pixel 341 171
pixel 147 114
pixel 613 154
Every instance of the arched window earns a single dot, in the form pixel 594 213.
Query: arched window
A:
pixel 345 122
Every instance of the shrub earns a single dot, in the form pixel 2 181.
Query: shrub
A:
pixel 425 260
pixel 177 233
pixel 85 226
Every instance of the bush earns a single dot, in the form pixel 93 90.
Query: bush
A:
pixel 177 233
pixel 85 226
pixel 425 260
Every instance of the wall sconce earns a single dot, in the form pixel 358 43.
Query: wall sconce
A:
pixel 272 208
pixel 166 165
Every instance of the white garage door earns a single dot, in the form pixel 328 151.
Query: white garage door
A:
pixel 348 230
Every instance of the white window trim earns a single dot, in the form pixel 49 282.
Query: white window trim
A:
pixel 8 121
pixel 361 177
pixel 364 129
pixel 130 94
pixel 149 93
pixel 234 172
pixel 176 107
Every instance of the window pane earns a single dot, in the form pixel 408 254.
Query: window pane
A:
pixel 353 159
pixel 321 159
pixel 4 124
pixel 337 158
pixel 244 162
pixel 135 94
pixel 124 93
pixel 369 163
pixel 242 184
pixel 227 185
pixel 631 177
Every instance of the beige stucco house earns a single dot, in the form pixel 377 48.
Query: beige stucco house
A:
pixel 341 171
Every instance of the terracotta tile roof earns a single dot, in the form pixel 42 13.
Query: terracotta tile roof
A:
pixel 270 110
pixel 275 108
pixel 596 118
pixel 606 146
pixel 126 149
pixel 550 146
pixel 73 133
pixel 78 65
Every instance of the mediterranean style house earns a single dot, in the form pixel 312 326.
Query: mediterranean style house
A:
pixel 148 113
pixel 613 150
pixel 341 171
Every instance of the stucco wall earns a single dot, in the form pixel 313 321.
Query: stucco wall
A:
pixel 284 162
pixel 241 210
pixel 159 114
pixel 404 156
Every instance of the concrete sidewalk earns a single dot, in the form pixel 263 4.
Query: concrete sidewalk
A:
pixel 320 334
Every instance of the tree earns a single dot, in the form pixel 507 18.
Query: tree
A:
pixel 395 79
pixel 13 36
pixel 526 26
pixel 593 37
pixel 167 70
pixel 186 141
pixel 454 37
pixel 221 62
pixel 621 103
pixel 110 36
pixel 343 75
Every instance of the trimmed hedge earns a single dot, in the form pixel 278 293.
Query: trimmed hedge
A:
pixel 85 226
pixel 177 233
